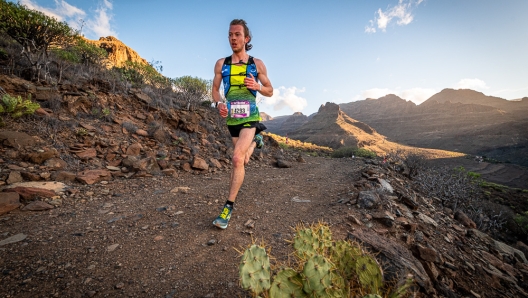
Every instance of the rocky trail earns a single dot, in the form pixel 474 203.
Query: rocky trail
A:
pixel 153 237
pixel 108 194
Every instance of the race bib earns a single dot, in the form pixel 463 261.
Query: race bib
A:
pixel 240 109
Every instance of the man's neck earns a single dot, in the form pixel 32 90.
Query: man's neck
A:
pixel 239 57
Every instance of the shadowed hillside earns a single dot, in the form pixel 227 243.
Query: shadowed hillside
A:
pixel 456 120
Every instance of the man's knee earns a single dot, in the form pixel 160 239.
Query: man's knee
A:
pixel 238 159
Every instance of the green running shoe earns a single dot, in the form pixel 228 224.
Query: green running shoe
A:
pixel 259 140
pixel 223 219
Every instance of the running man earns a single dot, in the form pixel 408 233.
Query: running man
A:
pixel 243 76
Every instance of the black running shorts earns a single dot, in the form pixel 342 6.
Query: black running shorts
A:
pixel 234 130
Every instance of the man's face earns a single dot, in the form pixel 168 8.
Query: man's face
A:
pixel 237 40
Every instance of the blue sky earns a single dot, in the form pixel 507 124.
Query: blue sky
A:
pixel 326 51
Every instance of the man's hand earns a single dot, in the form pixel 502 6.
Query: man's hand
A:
pixel 222 107
pixel 251 83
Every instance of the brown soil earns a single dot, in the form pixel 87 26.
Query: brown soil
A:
pixel 163 237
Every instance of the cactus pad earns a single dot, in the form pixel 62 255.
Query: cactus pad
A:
pixel 316 276
pixel 344 256
pixel 286 284
pixel 254 269
pixel 369 274
pixel 313 240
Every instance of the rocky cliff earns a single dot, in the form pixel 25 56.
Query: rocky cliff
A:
pixel 118 52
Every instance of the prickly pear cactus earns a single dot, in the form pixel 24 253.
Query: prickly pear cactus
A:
pixel 316 276
pixel 305 244
pixel 254 270
pixel 372 296
pixel 287 283
pixel 324 235
pixel 369 274
pixel 344 256
pixel 312 240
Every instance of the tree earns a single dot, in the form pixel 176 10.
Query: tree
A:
pixel 35 31
pixel 192 90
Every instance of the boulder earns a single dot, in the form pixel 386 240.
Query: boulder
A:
pixel 16 139
pixel 9 201
pixel 398 261
pixel 200 164
pixel 30 193
pixel 93 176
pixel 368 200
pixel 37 206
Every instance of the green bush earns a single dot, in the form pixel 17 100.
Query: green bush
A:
pixel 522 220
pixel 17 107
pixel 353 151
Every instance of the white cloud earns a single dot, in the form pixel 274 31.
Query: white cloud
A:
pixel 474 84
pixel 62 11
pixel 95 25
pixel 401 13
pixel 416 95
pixel 100 24
pixel 286 98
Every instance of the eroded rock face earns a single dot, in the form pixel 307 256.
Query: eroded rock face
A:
pixel 118 52
pixel 398 259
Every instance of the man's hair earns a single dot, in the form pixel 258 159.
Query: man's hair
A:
pixel 246 31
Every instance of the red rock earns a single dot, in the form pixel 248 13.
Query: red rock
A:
pixel 37 206
pixel 465 220
pixel 93 176
pixel 170 172
pixel 215 162
pixel 16 139
pixel 30 193
pixel 87 154
pixel 30 176
pixel 427 254
pixel 9 201
pixel 186 167
pixel 200 164
pixel 134 149
pixel 14 177
pixel 63 176
pixel 56 163
pixel 40 157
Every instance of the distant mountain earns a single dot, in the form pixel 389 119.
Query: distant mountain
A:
pixel 265 117
pixel 283 125
pixel 332 128
pixel 457 120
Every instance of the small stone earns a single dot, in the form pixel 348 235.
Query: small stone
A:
pixel 211 242
pixel 14 177
pixel 158 238
pixel 182 189
pixel 250 224
pixel 112 247
pixel 120 285
pixel 37 206
pixel 13 239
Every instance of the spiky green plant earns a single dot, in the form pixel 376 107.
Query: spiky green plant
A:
pixel 254 270
pixel 286 284
pixel 324 269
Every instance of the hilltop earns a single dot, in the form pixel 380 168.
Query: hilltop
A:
pixel 456 120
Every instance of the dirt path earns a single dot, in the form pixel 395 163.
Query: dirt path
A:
pixel 134 238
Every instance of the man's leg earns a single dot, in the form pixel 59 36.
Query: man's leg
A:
pixel 242 146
